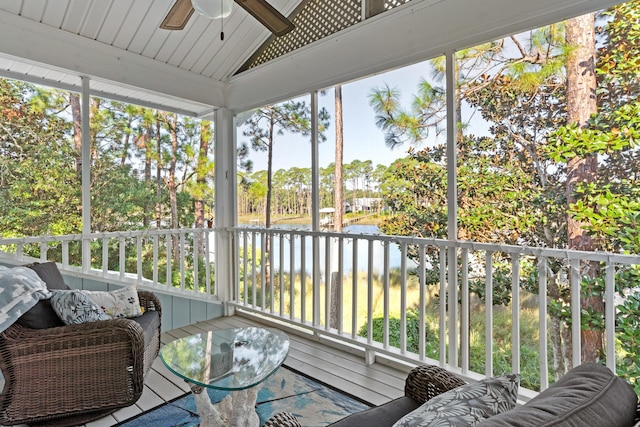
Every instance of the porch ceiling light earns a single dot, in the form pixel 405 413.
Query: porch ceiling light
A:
pixel 213 9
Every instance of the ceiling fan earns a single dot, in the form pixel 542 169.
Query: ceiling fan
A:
pixel 266 14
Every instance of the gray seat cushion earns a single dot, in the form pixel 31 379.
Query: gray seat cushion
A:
pixel 380 416
pixel 150 322
pixel 589 395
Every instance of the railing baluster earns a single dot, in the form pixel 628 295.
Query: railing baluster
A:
pixel 281 273
pixel 370 293
pixel 44 248
pixel 422 283
pixel 65 254
pixel 139 257
pixel 155 258
pixel 452 302
pixel 197 241
pixel 105 256
pixel 292 276
pixel 403 298
pixel 340 285
pixel 272 275
pixel 303 280
pixel 515 313
pixel 207 259
pixel 169 255
pixel 443 306
pixel 386 284
pixel 20 251
pixel 122 257
pixel 327 282
pixel 182 261
pixel 263 275
pixel 354 290
pixel 610 316
pixel 245 265
pixel 464 312
pixel 542 310
pixel 488 307
pixel 316 281
pixel 574 265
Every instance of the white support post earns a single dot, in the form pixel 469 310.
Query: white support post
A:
pixel 225 203
pixel 452 203
pixel 315 207
pixel 86 176
pixel 315 168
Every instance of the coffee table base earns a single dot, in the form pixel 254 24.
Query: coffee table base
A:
pixel 238 409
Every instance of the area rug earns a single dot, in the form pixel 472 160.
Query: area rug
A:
pixel 313 403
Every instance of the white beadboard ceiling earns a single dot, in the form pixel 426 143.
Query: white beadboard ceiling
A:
pixel 119 46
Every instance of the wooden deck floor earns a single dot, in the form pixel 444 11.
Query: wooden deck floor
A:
pixel 343 368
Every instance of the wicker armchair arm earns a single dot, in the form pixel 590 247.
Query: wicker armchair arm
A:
pixel 73 369
pixel 21 341
pixel 427 381
pixel 282 419
pixel 149 301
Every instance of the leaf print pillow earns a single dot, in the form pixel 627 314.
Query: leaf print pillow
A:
pixel 119 303
pixel 466 405
pixel 73 307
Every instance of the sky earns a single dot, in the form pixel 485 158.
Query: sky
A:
pixel 362 139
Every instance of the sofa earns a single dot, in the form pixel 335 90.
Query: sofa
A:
pixel 69 372
pixel 589 395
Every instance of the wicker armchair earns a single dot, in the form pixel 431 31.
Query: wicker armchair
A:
pixel 423 383
pixel 69 375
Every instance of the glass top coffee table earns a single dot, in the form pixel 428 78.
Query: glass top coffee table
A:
pixel 230 359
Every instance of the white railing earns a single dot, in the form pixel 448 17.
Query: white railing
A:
pixel 384 301
pixel 388 307
pixel 174 259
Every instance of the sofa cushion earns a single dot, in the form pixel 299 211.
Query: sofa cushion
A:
pixel 466 405
pixel 119 303
pixel 379 416
pixel 150 323
pixel 42 316
pixel 588 395
pixel 74 307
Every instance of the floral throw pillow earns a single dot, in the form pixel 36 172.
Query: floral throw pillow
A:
pixel 122 302
pixel 466 405
pixel 72 306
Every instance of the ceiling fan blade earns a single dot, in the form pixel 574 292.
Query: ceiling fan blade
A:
pixel 178 16
pixel 268 16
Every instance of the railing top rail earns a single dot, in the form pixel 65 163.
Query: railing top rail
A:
pixel 606 257
pixel 112 234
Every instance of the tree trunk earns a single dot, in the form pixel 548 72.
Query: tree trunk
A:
pixel 269 176
pixel 148 157
pixel 170 181
pixel 201 183
pixel 336 280
pixel 158 175
pixel 581 104
pixel 267 243
pixel 126 143
pixel 76 115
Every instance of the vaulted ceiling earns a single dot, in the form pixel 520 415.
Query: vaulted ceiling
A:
pixel 119 46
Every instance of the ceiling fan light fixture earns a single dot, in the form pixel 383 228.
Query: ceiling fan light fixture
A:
pixel 213 9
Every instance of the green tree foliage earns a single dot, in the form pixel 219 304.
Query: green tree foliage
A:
pixel 609 205
pixel 268 122
pixel 524 161
pixel 39 186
